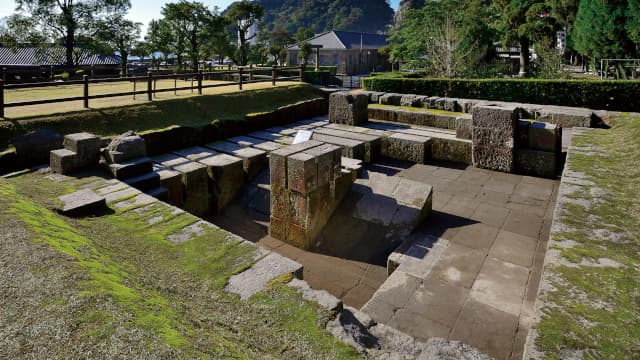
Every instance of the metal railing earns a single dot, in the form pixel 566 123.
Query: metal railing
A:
pixel 239 77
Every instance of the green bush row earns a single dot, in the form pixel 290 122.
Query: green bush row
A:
pixel 602 95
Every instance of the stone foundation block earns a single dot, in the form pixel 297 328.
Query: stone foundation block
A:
pixel 196 187
pixel 86 146
pixel 536 163
pixel 144 182
pixel 350 109
pixel 195 153
pixel 391 99
pixel 350 148
pixel 226 175
pixel 83 202
pixel 131 168
pixel 302 173
pixel 253 159
pixel 63 161
pixel 325 156
pixel 407 147
pixel 278 162
pixel 494 132
pixel 125 147
pixel 172 181
pixel 545 137
pixel 464 127
pixel 372 144
pixel 407 100
pixel 522 134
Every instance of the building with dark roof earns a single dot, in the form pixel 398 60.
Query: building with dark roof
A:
pixel 350 52
pixel 33 63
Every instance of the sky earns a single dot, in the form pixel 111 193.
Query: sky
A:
pixel 143 10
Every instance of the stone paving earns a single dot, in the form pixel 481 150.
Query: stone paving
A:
pixel 479 287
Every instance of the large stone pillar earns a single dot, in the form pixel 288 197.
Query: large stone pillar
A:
pixel 494 130
pixel 348 109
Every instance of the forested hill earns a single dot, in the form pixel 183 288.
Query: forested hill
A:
pixel 322 15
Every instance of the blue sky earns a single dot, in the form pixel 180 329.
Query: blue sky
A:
pixel 143 10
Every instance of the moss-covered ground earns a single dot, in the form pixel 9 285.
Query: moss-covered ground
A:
pixel 113 286
pixel 187 111
pixel 592 308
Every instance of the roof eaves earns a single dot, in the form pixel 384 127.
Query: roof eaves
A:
pixel 338 38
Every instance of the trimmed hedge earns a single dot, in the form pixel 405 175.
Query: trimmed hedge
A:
pixel 601 95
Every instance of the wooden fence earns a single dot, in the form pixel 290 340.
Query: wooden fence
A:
pixel 244 75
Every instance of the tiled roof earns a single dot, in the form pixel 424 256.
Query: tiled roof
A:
pixel 341 40
pixel 31 56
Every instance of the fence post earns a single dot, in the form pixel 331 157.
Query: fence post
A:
pixel 150 86
pixel 240 79
pixel 199 82
pixel 274 75
pixel 1 99
pixel 85 78
pixel 4 74
pixel 302 73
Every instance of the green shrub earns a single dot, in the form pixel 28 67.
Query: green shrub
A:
pixel 605 95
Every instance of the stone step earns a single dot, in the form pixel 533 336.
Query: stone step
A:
pixel 372 143
pixel 63 161
pixel 83 202
pixel 350 148
pixel 144 182
pixel 407 147
pixel 160 193
pixel 172 181
pixel 131 168
pixel 226 178
pixel 445 145
pixel 195 153
pixel 254 159
pixel 261 143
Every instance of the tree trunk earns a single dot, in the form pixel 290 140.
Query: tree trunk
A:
pixel 524 56
pixel 124 56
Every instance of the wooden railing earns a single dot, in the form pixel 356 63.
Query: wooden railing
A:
pixel 244 75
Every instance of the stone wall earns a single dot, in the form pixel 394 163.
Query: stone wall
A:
pixel 307 184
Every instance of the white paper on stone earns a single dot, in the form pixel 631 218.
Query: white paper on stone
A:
pixel 302 136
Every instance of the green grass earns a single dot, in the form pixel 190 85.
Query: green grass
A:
pixel 170 296
pixel 596 310
pixel 190 111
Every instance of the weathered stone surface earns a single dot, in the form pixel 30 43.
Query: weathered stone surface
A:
pixel 131 168
pixel 144 182
pixel 390 99
pixel 196 186
pixel 63 161
pixel 407 100
pixel 83 202
pixel 494 131
pixel 545 137
pixel 407 147
pixel 326 156
pixel 350 148
pixel 172 181
pixel 195 153
pixel 253 159
pixel 278 162
pixel 322 297
pixel 464 127
pixel 34 148
pixel 86 146
pixel 226 174
pixel 350 109
pixel 522 134
pixel 253 280
pixel 536 163
pixel 372 143
pixel 126 147
pixel 565 116
pixel 302 173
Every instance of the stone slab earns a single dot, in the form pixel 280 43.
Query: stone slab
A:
pixel 86 146
pixel 254 159
pixel 195 153
pixel 372 143
pixel 131 168
pixel 226 174
pixel 83 202
pixel 350 148
pixel 407 147
pixel 63 161
pixel 256 278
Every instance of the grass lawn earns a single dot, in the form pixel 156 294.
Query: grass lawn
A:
pixel 592 308
pixel 189 111
pixel 114 287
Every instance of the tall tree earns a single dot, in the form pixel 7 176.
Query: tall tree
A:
pixel 189 21
pixel 243 15
pixel 118 35
pixel 633 23
pixel 67 20
pixel 522 22
pixel 161 37
pixel 218 39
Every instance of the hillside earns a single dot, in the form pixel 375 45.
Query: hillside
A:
pixel 322 15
